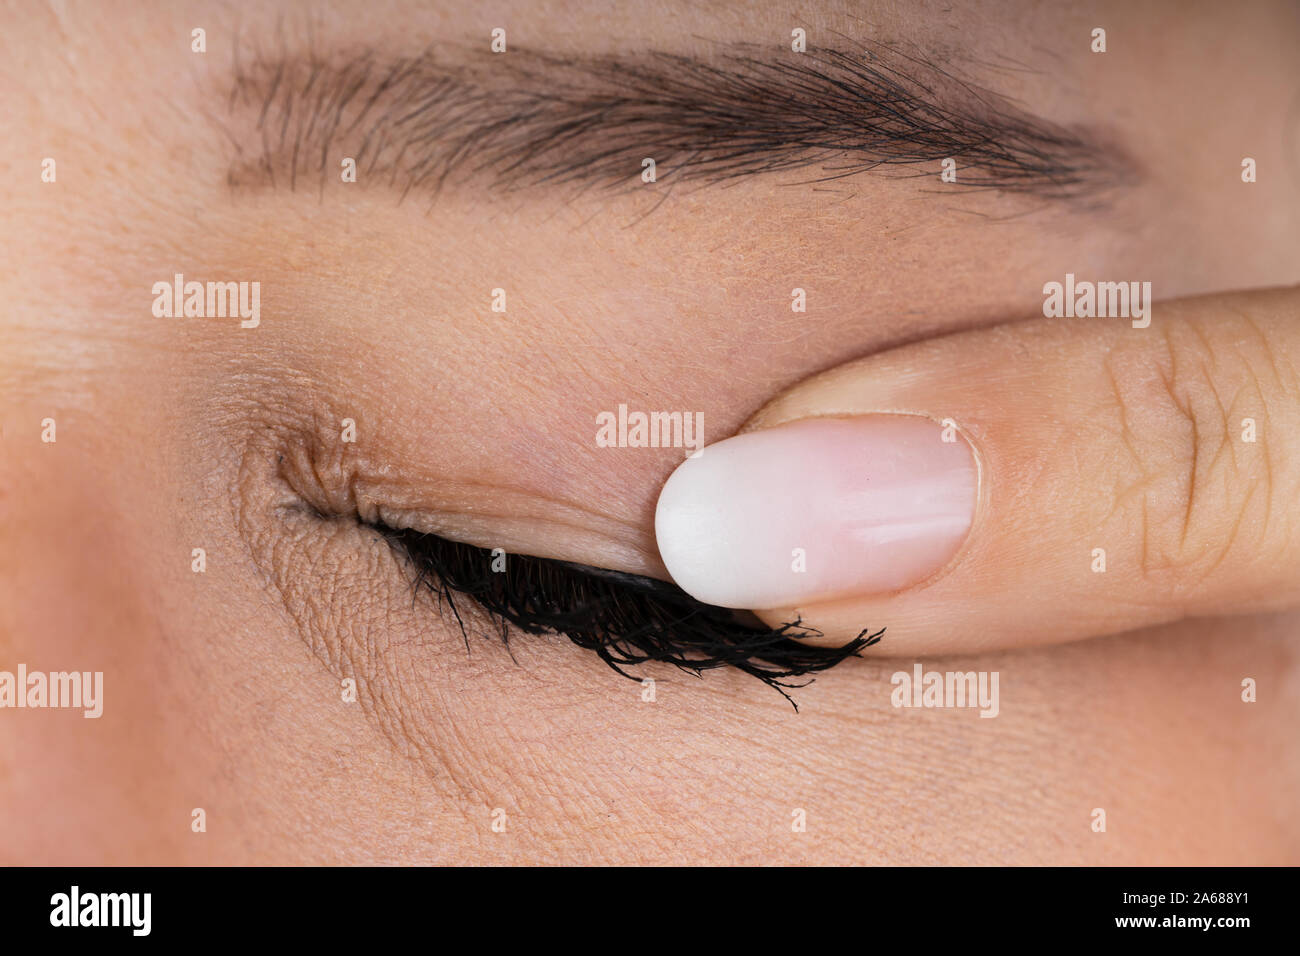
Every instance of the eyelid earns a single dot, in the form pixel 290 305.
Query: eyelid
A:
pixel 392 491
pixel 625 619
pixel 525 524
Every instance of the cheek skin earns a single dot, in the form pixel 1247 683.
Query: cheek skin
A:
pixel 75 582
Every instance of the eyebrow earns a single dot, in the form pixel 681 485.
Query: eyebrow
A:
pixel 531 120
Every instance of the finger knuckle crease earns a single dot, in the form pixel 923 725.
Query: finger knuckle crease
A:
pixel 1183 397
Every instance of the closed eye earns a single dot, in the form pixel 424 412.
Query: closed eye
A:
pixel 625 618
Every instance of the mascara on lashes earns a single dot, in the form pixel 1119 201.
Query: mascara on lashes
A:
pixel 625 618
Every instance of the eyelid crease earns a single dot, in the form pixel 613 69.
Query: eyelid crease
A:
pixel 626 619
pixel 532 525
pixel 314 468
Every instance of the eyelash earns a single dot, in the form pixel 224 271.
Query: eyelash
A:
pixel 626 619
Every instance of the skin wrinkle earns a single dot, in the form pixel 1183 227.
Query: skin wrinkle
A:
pixel 1204 434
pixel 1126 434
pixel 1234 530
pixel 1190 441
pixel 313 466
pixel 400 727
pixel 365 651
pixel 304 546
pixel 1261 417
pixel 1207 427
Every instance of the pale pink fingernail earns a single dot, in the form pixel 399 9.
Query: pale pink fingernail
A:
pixel 816 510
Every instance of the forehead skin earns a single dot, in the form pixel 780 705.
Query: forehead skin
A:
pixel 480 425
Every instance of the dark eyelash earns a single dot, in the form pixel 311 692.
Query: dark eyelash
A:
pixel 626 619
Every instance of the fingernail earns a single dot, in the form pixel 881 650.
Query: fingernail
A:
pixel 817 509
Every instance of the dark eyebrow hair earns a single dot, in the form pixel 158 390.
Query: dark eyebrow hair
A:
pixel 527 119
